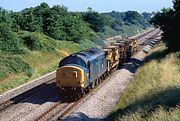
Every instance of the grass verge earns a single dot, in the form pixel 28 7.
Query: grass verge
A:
pixel 154 92
pixel 21 68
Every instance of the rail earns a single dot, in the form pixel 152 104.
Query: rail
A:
pixel 26 87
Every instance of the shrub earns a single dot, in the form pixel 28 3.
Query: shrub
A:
pixel 9 41
pixel 36 42
pixel 10 65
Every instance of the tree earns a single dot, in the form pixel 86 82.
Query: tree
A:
pixel 29 21
pixel 8 40
pixel 54 20
pixel 169 22
pixel 95 20
pixel 5 17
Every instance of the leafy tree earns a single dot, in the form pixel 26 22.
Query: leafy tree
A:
pixel 17 21
pixel 5 17
pixel 8 40
pixel 147 16
pixel 54 20
pixel 29 21
pixel 94 19
pixel 169 22
pixel 75 28
pixel 63 25
pixel 129 18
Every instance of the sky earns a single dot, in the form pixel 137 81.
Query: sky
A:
pixel 97 5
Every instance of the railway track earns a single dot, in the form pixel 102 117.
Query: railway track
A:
pixel 59 109
pixel 147 39
pixel 26 95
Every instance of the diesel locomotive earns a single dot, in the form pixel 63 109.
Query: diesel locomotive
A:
pixel 80 72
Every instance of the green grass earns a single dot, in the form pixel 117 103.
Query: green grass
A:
pixel 127 30
pixel 130 30
pixel 154 92
pixel 41 58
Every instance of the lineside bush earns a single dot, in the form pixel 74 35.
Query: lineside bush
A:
pixel 9 65
pixel 36 41
pixel 9 42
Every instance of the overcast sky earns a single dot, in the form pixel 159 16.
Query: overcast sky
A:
pixel 97 5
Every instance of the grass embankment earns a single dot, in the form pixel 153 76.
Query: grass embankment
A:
pixel 41 54
pixel 154 92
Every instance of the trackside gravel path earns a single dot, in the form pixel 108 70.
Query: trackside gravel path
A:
pixel 101 102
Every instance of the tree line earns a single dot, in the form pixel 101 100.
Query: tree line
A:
pixel 60 24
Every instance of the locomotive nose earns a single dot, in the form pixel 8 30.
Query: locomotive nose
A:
pixel 70 76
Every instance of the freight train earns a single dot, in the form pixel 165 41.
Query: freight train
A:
pixel 80 72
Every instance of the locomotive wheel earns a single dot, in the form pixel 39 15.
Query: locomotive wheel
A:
pixel 92 85
pixel 96 82
pixel 99 80
pixel 106 75
pixel 83 93
pixel 88 89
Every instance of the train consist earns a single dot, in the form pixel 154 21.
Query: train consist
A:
pixel 80 72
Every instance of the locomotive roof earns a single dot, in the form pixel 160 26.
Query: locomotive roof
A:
pixel 89 54
pixel 82 57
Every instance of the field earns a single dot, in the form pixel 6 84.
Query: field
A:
pixel 154 92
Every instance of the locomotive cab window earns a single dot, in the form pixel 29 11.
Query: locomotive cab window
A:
pixel 72 60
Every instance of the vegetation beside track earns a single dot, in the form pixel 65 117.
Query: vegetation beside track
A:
pixel 20 68
pixel 32 41
pixel 154 92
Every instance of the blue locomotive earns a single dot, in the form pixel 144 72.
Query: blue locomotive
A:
pixel 81 71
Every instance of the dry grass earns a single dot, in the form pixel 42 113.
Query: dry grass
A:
pixel 154 93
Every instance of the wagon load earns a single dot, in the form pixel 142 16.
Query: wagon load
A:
pixel 112 56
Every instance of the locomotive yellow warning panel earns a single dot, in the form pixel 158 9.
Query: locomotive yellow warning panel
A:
pixel 70 76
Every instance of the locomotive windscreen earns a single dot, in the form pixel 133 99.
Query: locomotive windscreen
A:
pixel 72 60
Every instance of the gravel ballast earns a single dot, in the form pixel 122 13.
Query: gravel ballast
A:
pixel 26 87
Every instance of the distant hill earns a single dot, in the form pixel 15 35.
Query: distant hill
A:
pixel 132 18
